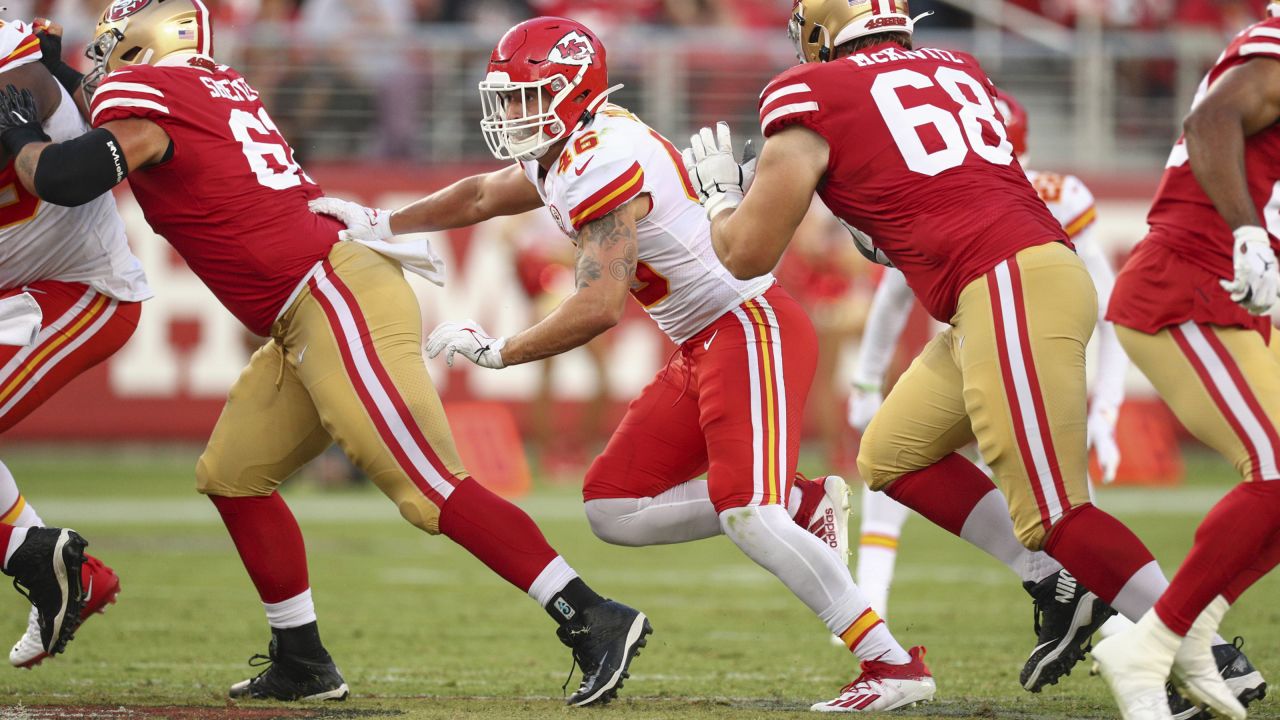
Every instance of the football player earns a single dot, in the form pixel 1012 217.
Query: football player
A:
pixel 1190 305
pixel 213 175
pixel 730 401
pixel 907 147
pixel 1065 620
pixel 69 272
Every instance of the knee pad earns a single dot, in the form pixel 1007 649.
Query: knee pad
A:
pixel 873 462
pixel 421 513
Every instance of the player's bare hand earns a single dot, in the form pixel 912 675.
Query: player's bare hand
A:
pixel 48 27
pixel 363 223
pixel 1256 284
pixel 468 338
pixel 720 180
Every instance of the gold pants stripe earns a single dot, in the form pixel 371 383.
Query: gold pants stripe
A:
pixel 1225 381
pixel 378 393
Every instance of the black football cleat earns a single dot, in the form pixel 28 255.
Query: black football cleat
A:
pixel 604 639
pixel 1066 616
pixel 1240 675
pixel 46 570
pixel 292 677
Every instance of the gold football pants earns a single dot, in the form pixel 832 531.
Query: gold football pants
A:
pixel 344 364
pixel 1223 383
pixel 1010 373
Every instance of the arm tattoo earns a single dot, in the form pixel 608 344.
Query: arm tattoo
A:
pixel 601 236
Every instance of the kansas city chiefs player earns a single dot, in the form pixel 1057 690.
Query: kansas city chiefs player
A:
pixel 729 403
pixel 69 280
pixel 215 178
pixel 1191 306
pixel 1065 621
pixel 907 147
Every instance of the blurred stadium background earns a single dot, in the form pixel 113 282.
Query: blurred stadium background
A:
pixel 378 99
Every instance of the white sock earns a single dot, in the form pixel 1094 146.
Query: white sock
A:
pixel 16 539
pixel 1141 591
pixel 882 521
pixel 814 574
pixel 553 578
pixel 14 509
pixel 990 529
pixel 678 515
pixel 294 612
pixel 1116 625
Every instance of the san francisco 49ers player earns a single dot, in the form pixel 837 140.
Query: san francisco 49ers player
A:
pixel 729 403
pixel 1066 614
pixel 68 276
pixel 1191 305
pixel 907 147
pixel 344 363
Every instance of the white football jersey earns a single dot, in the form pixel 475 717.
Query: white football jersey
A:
pixel 1067 198
pixel 611 161
pixel 43 241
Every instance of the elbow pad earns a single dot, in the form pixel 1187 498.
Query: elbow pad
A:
pixel 74 172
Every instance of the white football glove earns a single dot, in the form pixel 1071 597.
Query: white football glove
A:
pixel 1101 433
pixel 719 179
pixel 864 401
pixel 1256 284
pixel 363 223
pixel 468 338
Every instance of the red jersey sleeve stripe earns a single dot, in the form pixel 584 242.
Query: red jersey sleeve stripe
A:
pixel 28 47
pixel 125 102
pixel 782 92
pixel 1264 32
pixel 1260 48
pixel 126 87
pixel 608 198
pixel 784 111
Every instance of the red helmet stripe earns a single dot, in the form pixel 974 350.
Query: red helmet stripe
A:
pixel 204 43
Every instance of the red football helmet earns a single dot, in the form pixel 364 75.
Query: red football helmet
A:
pixel 546 77
pixel 1015 121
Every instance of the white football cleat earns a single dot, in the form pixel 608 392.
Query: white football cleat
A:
pixel 882 686
pixel 1195 669
pixel 824 511
pixel 1136 664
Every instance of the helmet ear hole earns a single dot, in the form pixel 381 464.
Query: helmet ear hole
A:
pixel 131 55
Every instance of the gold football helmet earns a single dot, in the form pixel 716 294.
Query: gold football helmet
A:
pixel 140 32
pixel 818 26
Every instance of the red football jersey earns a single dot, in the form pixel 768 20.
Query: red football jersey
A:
pixel 919 162
pixel 231 200
pixel 1159 289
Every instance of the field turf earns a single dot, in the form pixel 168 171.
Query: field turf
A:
pixel 421 630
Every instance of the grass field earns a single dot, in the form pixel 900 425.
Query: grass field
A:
pixel 421 630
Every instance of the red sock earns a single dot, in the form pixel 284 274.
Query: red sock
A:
pixel 6 531
pixel 1227 548
pixel 1267 560
pixel 1098 550
pixel 269 542
pixel 498 533
pixel 945 492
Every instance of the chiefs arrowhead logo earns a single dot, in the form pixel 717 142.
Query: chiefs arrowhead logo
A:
pixel 121 9
pixel 573 49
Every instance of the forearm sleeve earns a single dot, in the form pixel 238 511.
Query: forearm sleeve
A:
pixel 74 172
pixel 890 308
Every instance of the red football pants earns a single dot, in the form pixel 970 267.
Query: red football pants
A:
pixel 730 404
pixel 81 328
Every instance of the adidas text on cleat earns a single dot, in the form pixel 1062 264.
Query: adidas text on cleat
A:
pixel 824 511
pixel 881 686
pixel 605 638
pixel 46 569
pixel 1242 678
pixel 292 677
pixel 101 586
pixel 1066 616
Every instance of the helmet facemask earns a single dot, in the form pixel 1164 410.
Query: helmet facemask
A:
pixel 538 126
pixel 99 53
